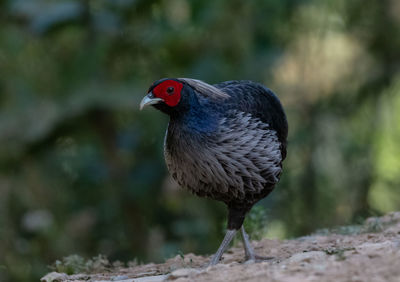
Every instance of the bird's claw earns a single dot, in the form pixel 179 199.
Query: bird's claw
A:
pixel 257 258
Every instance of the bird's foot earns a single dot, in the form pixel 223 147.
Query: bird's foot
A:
pixel 250 255
pixel 224 245
pixel 249 261
pixel 256 258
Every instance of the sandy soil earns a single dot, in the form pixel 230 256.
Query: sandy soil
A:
pixel 370 252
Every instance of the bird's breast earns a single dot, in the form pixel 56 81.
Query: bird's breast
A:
pixel 242 156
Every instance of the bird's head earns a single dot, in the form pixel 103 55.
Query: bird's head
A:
pixel 164 94
pixel 171 95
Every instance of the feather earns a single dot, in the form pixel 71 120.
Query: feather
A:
pixel 259 101
pixel 205 89
pixel 230 166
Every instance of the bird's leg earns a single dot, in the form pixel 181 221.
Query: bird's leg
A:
pixel 248 249
pixel 230 233
pixel 250 255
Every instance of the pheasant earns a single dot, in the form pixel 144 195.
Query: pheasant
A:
pixel 225 141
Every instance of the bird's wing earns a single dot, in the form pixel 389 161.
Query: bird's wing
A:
pixel 260 102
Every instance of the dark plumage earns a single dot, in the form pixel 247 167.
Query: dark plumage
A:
pixel 225 141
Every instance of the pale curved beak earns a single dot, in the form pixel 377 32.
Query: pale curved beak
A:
pixel 149 99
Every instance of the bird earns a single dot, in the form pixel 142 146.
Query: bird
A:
pixel 224 141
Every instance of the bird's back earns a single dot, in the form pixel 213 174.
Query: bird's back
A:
pixel 259 101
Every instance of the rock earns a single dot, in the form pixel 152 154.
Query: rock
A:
pixel 376 249
pixel 119 278
pixel 155 278
pixel 307 257
pixel 54 277
pixel 183 272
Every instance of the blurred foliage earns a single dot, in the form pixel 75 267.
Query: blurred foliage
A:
pixel 75 264
pixel 82 170
pixel 255 224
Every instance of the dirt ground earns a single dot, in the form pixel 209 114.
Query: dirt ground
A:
pixel 369 252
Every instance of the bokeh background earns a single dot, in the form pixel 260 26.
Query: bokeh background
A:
pixel 82 170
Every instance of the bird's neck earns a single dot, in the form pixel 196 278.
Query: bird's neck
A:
pixel 199 119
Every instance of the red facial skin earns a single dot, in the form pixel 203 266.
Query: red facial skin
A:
pixel 169 91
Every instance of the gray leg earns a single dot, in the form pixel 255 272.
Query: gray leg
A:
pixel 230 233
pixel 248 249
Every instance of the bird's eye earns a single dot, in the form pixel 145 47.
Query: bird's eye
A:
pixel 170 90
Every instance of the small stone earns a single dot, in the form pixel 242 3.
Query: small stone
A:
pixel 155 278
pixel 183 272
pixel 375 249
pixel 119 278
pixel 307 257
pixel 54 277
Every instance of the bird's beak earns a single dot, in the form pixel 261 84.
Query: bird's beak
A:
pixel 149 99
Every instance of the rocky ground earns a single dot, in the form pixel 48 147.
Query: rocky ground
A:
pixel 369 252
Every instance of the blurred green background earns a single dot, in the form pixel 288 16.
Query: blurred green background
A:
pixel 82 170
